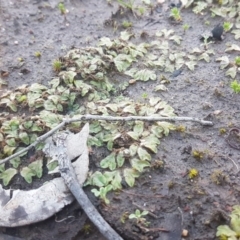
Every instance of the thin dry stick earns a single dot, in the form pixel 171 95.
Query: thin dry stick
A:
pixel 107 118
pixel 146 230
pixel 141 118
pixel 180 210
pixel 226 157
pixel 39 139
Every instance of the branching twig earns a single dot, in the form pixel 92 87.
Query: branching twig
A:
pixel 107 118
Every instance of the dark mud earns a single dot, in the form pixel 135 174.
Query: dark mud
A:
pixel 175 202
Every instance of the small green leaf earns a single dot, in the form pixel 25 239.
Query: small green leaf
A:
pixel 204 56
pixel 235 223
pixel 232 47
pixel 12 106
pixel 138 127
pixel 144 213
pixel 157 131
pixel 51 119
pixel 1 137
pixel 145 75
pixel 95 127
pixel 166 127
pixel 224 61
pixel 131 72
pixel 7 175
pixel 130 109
pixel 191 65
pixel 236 32
pixel 109 162
pixel 132 216
pixel 160 87
pixel 68 77
pixel 130 174
pixel 54 98
pixel 120 159
pixel 125 36
pixel 219 12
pixel 133 135
pixel 49 105
pixel 224 230
pixel 15 162
pixel 11 142
pixel 232 72
pixel 28 124
pixel 36 87
pixel 98 179
pixel 55 82
pixel 27 174
pixel 112 106
pixel 36 128
pixel 24 137
pixel 7 150
pixel 109 176
pixel 37 167
pixel 139 164
pixel 94 141
pixel 116 182
pixel 105 41
pixel 133 150
pixel 150 142
pixel 122 62
pixel 176 39
pixel 102 193
pixel 95 192
pixel 2 167
pixel 110 145
pixel 52 165
pixel 143 154
pixel 32 97
pixel 33 137
pixel 154 100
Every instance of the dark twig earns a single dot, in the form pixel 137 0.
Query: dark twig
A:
pixel 144 209
pixel 68 174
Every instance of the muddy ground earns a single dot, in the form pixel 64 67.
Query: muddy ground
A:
pixel 198 205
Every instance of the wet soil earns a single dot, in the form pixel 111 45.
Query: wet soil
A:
pixel 175 202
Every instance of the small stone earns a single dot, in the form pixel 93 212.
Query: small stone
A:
pixel 132 81
pixel 184 233
pixel 16 42
pixel 217 32
pixel 217 112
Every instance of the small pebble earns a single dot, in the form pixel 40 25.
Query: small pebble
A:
pixel 132 81
pixel 16 42
pixel 184 233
